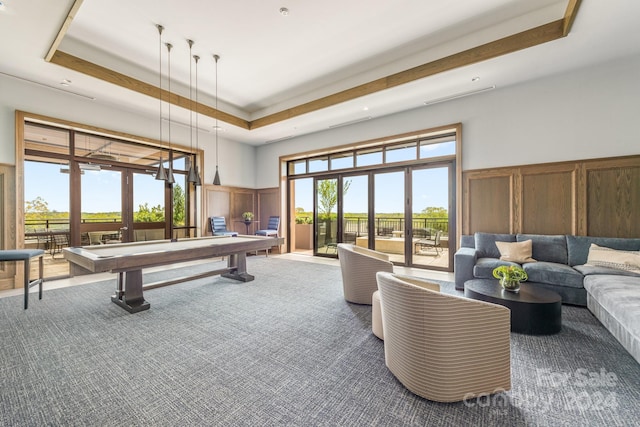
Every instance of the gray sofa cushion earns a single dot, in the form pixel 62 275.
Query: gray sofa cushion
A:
pixel 484 267
pixel 592 269
pixel 578 246
pixel 486 243
pixel 467 241
pixel 553 274
pixel 549 248
pixel 619 296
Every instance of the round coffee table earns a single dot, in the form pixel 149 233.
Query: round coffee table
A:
pixel 534 310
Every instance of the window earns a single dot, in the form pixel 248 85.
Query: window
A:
pixel 81 185
pixel 369 157
pixel 341 161
pixel 400 153
pixel 319 164
pixel 437 148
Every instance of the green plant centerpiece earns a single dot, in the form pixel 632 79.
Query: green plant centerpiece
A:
pixel 510 277
pixel 247 216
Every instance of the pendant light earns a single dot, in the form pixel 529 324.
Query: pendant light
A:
pixel 161 173
pixel 191 175
pixel 198 182
pixel 216 179
pixel 170 179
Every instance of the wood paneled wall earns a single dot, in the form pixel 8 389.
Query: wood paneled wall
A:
pixel 7 224
pixel 599 197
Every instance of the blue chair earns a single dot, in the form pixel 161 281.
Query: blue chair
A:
pixel 219 227
pixel 271 230
pixel 26 255
pixel 272 227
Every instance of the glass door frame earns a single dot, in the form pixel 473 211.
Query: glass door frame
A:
pixel 451 212
pixel 407 212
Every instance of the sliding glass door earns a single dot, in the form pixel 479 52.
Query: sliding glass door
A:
pixel 430 206
pixel 148 206
pixel 101 206
pixel 389 213
pixel 355 210
pixel 326 216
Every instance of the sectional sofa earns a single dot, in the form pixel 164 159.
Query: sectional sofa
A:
pixel 610 288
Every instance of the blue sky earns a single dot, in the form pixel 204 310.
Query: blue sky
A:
pixel 429 190
pixel 101 190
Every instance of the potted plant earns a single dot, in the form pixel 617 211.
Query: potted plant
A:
pixel 510 276
pixel 248 217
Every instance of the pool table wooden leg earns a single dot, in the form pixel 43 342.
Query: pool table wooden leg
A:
pixel 129 292
pixel 237 263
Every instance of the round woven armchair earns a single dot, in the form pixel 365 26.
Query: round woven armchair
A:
pixel 443 347
pixel 359 267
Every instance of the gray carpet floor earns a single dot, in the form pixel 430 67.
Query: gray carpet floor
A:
pixel 285 349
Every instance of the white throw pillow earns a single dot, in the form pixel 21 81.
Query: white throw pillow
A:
pixel 601 256
pixel 519 252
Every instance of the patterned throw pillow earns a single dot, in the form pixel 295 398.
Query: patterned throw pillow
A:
pixel 519 252
pixel 601 256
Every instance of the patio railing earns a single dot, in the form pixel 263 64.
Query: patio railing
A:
pixel 387 225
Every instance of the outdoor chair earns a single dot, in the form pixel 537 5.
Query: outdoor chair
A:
pixel 385 231
pixel 429 243
pixel 59 241
pixel 43 238
pixel 421 233
pixel 219 227
pixel 95 237
pixel 443 347
pixel 359 267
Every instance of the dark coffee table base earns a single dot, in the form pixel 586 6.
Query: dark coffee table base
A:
pixel 534 310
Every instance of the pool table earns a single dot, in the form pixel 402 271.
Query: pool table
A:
pixel 128 260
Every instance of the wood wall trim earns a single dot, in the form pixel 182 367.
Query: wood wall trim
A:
pixel 532 37
pixel 570 15
pixel 535 36
pixel 18 196
pixel 39 118
pixel 63 29
pixel 8 270
pixel 94 70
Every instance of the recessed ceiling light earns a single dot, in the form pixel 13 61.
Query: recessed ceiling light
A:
pixel 365 109
pixel 284 11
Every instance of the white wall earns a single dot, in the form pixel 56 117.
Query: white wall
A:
pixel 589 113
pixel 237 161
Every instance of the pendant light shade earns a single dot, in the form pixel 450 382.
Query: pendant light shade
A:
pixel 170 179
pixel 161 173
pixel 216 179
pixel 191 174
pixel 194 162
